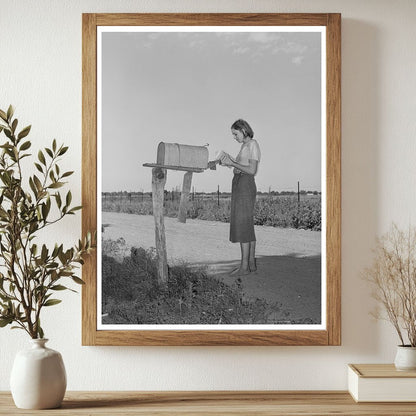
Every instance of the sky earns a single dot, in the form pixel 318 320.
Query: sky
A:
pixel 189 87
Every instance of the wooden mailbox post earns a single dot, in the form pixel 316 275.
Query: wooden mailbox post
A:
pixel 158 190
pixel 175 157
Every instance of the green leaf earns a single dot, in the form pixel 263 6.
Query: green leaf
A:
pixel 49 152
pixel 41 157
pixel 56 185
pixel 55 251
pixel 63 151
pixel 14 125
pixel 58 199
pixel 44 253
pixel 5 145
pixel 60 249
pixel 39 167
pixel 33 187
pixel 68 199
pixel 33 227
pixel 62 257
pixel 10 112
pixel 59 287
pixel 5 179
pixel 24 132
pixel 5 321
pixel 25 145
pixel 37 183
pixel 45 211
pixel 40 332
pixel 8 133
pixel 51 302
pixel 76 208
pixel 67 174
pixel 76 279
pixel 34 249
pixel 3 115
pixel 54 145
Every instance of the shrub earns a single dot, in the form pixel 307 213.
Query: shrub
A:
pixel 131 295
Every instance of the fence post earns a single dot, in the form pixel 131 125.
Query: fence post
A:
pixel 186 188
pixel 298 210
pixel 158 187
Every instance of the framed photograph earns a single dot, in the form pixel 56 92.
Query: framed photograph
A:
pixel 211 172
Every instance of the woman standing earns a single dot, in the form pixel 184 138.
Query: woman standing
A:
pixel 243 195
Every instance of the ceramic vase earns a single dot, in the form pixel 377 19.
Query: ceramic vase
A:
pixel 405 358
pixel 38 377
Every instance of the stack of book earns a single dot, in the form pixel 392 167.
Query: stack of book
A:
pixel 381 383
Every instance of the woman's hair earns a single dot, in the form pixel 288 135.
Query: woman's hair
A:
pixel 244 127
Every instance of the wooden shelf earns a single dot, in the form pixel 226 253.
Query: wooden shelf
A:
pixel 212 403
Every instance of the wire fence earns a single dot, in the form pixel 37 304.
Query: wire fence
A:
pixel 294 210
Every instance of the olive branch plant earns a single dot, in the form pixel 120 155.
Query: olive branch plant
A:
pixel 393 277
pixel 31 273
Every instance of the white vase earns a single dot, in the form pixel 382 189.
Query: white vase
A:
pixel 38 378
pixel 405 358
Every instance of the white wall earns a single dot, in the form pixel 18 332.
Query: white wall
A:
pixel 40 73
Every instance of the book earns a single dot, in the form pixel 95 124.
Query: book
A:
pixel 381 383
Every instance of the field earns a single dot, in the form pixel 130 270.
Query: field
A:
pixel 271 210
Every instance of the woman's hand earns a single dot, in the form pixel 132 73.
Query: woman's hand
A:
pixel 226 160
pixel 212 164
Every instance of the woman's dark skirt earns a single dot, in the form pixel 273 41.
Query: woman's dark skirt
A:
pixel 243 197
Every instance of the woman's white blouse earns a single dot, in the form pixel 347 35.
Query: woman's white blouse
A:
pixel 249 150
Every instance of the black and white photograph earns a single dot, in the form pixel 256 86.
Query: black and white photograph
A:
pixel 211 177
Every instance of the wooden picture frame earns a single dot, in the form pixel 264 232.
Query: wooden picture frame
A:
pixel 331 334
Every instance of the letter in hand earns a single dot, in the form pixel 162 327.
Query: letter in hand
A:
pixel 226 160
pixel 212 164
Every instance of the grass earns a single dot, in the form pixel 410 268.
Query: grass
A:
pixel 275 211
pixel 132 295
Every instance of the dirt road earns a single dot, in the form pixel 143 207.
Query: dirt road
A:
pixel 289 260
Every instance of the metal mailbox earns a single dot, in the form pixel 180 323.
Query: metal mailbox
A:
pixel 182 156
